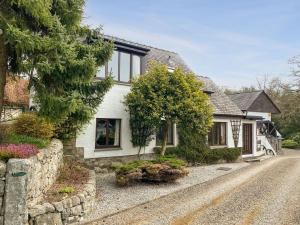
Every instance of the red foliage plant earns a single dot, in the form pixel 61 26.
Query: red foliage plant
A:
pixel 17 151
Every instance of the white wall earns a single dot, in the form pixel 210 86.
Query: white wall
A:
pixel 230 141
pixel 112 107
pixel 266 116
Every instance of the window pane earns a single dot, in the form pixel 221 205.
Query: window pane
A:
pixel 124 67
pixel 217 135
pixel 108 132
pixel 114 131
pixel 113 65
pixel 136 65
pixel 101 72
pixel 170 135
pixel 101 132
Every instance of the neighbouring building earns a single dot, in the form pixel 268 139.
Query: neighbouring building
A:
pixel 108 133
pixel 258 105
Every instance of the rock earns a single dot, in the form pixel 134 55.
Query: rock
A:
pixel 37 210
pixel 67 203
pixel 75 200
pixel 49 218
pixel 76 211
pixel 81 197
pixel 1 220
pixel 49 207
pixel 58 206
pixel 2 168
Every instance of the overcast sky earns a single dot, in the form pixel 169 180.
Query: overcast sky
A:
pixel 231 41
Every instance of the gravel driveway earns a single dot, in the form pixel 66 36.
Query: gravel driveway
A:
pixel 263 193
pixel 114 199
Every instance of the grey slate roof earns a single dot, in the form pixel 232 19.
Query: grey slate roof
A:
pixel 222 104
pixel 245 100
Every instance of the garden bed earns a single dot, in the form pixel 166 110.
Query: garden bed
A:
pixel 70 182
pixel 160 170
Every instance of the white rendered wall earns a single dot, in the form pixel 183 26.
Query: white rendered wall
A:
pixel 112 107
pixel 230 141
pixel 266 116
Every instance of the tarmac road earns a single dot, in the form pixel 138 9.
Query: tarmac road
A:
pixel 264 193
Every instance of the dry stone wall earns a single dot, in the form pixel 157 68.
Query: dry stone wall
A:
pixel 69 210
pixel 24 181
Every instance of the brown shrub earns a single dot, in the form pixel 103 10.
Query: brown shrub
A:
pixel 31 124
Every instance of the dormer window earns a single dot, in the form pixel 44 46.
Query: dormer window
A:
pixel 123 66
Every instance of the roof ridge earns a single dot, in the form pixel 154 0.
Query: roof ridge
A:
pixel 245 92
pixel 136 43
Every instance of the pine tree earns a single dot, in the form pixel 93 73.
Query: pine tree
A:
pixel 45 40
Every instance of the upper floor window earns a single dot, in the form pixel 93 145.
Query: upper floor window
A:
pixel 122 66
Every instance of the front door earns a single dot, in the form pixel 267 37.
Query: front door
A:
pixel 247 138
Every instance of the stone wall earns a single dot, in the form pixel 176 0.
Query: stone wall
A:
pixel 67 211
pixel 43 171
pixel 24 182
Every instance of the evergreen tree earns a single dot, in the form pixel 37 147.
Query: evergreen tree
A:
pixel 160 98
pixel 45 40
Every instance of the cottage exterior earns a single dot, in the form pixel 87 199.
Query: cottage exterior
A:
pixel 108 133
pixel 259 106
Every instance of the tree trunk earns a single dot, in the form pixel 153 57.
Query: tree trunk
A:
pixel 3 70
pixel 165 138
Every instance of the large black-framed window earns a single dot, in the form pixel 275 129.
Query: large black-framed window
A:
pixel 108 133
pixel 218 134
pixel 123 66
pixel 170 136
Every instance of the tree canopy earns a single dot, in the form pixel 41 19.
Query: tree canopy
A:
pixel 46 41
pixel 162 97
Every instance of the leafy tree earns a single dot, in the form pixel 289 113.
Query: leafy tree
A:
pixel 45 40
pixel 160 98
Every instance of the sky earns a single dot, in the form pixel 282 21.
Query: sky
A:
pixel 234 42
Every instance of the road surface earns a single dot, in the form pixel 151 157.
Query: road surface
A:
pixel 264 193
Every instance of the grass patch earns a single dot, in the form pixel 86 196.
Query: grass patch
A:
pixel 23 139
pixel 66 190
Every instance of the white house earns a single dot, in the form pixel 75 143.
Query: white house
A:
pixel 108 133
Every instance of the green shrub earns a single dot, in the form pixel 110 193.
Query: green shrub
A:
pixel 171 161
pixel 30 124
pixel 227 154
pixel 4 130
pixel 296 138
pixel 66 190
pixel 23 139
pixel 231 154
pixel 162 169
pixel 289 143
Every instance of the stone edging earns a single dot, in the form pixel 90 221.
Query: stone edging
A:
pixel 67 211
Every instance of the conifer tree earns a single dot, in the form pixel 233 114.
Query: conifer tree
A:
pixel 45 40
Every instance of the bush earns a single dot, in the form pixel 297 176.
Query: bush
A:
pixel 296 138
pixel 206 155
pixel 17 151
pixel 227 154
pixel 30 124
pixel 22 139
pixel 4 130
pixel 289 143
pixel 162 169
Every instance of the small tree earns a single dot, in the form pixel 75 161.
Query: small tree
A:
pixel 45 40
pixel 161 97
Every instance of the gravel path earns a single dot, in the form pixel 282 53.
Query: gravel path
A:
pixel 114 199
pixel 263 193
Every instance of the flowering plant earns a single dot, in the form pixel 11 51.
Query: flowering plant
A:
pixel 17 151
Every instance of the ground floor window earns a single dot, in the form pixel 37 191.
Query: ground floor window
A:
pixel 170 136
pixel 218 133
pixel 108 133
